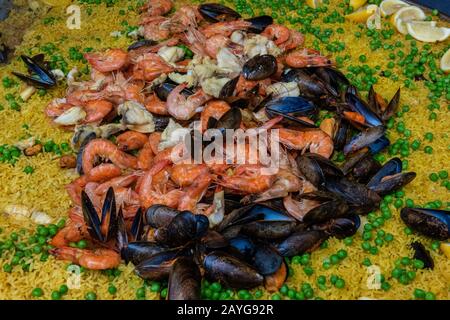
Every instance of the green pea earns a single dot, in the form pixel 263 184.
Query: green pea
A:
pixel 63 289
pixel 90 296
pixel 430 296
pixel 56 295
pixel 419 294
pixel 276 296
pixel 37 292
pixel 340 283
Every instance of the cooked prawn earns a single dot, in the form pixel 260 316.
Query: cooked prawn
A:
pixel 110 60
pixel 185 174
pixel 156 105
pixel 103 172
pixel 296 39
pixel 96 110
pixel 157 7
pixel 225 28
pixel 214 109
pixel 56 108
pixel 107 149
pixel 155 28
pixel 182 108
pixel 355 116
pixel 316 140
pixel 247 179
pixel 150 66
pixel 131 140
pixel 214 43
pixel 194 193
pixel 97 259
pixel 72 232
pixel 145 156
pixel 307 58
pixel 122 181
pixel 278 33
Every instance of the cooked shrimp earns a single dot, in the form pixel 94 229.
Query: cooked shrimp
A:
pixel 80 97
pixel 243 86
pixel 215 109
pixel 215 43
pixel 96 110
pixel 72 232
pixel 278 33
pixel 185 17
pixel 145 156
pixel 247 179
pixel 131 140
pixel 110 60
pixel 97 259
pixel 194 193
pixel 103 172
pixel 155 28
pixel 145 186
pixel 56 108
pixel 225 28
pixel 107 149
pixel 307 58
pixel 185 174
pixel 157 7
pixel 150 66
pixel 156 105
pixel 285 183
pixel 316 140
pixel 295 40
pixel 122 181
pixel 75 187
pixel 155 139
pixel 182 108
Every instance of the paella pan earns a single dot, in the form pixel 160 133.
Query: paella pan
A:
pixel 105 104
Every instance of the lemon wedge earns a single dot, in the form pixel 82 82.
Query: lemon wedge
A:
pixel 314 3
pixel 405 15
pixel 356 4
pixel 445 247
pixel 56 3
pixel 426 32
pixel 389 7
pixel 374 21
pixel 362 14
pixel 445 66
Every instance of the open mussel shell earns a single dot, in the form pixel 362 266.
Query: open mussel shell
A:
pixel 432 223
pixel 364 169
pixel 358 105
pixel 391 183
pixel 344 227
pixel 230 120
pixel 326 211
pixel 364 139
pixel 393 166
pixel 290 108
pixel 242 246
pixel 269 230
pixel 392 106
pixel 42 78
pixel 259 23
pixel 259 67
pixel 301 242
pixel 228 89
pixel 231 271
pixel 422 254
pixel 184 280
pixel 379 145
pixel 215 12
pixel 333 79
pixel 159 265
pixel 316 168
pixel 360 199
pixel 310 86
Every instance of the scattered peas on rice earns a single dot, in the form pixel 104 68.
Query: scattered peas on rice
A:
pixel 340 269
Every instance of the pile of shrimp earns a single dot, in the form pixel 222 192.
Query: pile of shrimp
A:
pixel 134 155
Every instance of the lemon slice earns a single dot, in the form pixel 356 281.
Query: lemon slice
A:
pixel 57 3
pixel 405 15
pixel 374 21
pixel 445 66
pixel 445 247
pixel 389 7
pixel 362 14
pixel 356 4
pixel 314 3
pixel 426 32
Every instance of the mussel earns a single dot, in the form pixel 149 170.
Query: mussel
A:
pixel 331 207
pixel 422 254
pixel 158 215
pixel 259 23
pixel 290 108
pixel 364 139
pixel 309 85
pixel 215 12
pixel 141 44
pixel 392 183
pixel 164 89
pixel 259 67
pixel 317 168
pixel 232 272
pixel 301 242
pixel 393 166
pixel 360 106
pixel 184 280
pixel 41 77
pixel 432 223
pixel 159 265
pixel 266 259
pixel 137 252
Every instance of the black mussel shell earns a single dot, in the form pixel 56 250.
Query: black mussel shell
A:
pixel 392 183
pixel 164 89
pixel 41 77
pixel 259 23
pixel 301 242
pixel 432 223
pixel 260 67
pixel 228 89
pixel 364 139
pixel 137 252
pixel 159 215
pixel 184 280
pixel 142 43
pixel 360 106
pixel 393 166
pixel 422 254
pixel 215 12
pixel 266 259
